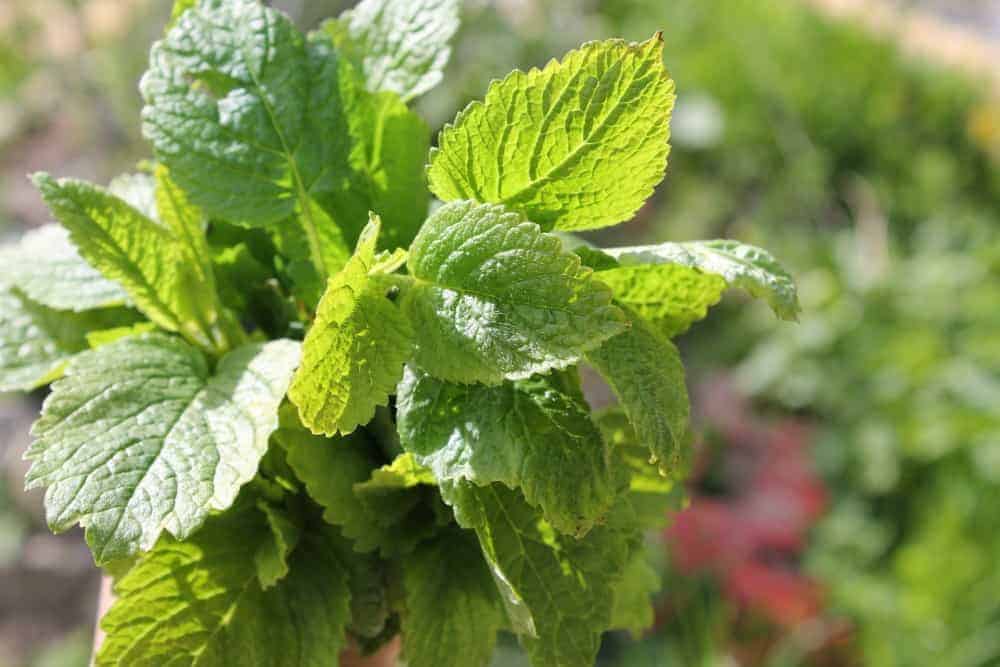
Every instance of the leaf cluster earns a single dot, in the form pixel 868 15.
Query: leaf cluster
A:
pixel 294 402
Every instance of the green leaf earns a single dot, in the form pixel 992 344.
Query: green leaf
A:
pixel 199 603
pixel 495 298
pixel 140 436
pixel 329 468
pixel 654 497
pixel 338 475
pixel 233 109
pixel 401 45
pixel 354 352
pixel 645 372
pixel 271 558
pixel 243 112
pixel 37 342
pixel 262 126
pixel 559 591
pixel 739 264
pixel 671 296
pixel 385 151
pixel 158 268
pixel 46 267
pixel 452 610
pixel 389 157
pixel 371 618
pixel 239 274
pixel 578 145
pixel 633 609
pixel 403 473
pixel 187 223
pixel 308 277
pixel 101 337
pixel 402 498
pixel 526 435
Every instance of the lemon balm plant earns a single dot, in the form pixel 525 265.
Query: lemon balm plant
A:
pixel 294 403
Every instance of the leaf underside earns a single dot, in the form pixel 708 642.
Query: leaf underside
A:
pixel 47 268
pixel 36 342
pixel 738 264
pixel 671 296
pixel 401 45
pixel 139 437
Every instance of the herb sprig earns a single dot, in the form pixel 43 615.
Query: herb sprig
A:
pixel 292 402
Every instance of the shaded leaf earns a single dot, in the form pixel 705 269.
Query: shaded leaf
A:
pixel 452 609
pixel 559 591
pixel 199 602
pixel 271 558
pixel 338 475
pixel 645 372
pixel 526 435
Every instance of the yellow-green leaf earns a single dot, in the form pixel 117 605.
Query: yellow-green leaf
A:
pixel 579 144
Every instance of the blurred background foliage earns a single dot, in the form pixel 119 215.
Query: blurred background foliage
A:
pixel 843 505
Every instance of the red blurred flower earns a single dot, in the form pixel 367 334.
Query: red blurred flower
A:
pixel 754 497
pixel 709 537
pixel 783 596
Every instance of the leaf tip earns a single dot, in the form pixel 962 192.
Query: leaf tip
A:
pixel 42 180
pixel 368 239
pixel 652 46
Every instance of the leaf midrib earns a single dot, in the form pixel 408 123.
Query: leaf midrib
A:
pixel 129 266
pixel 305 211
